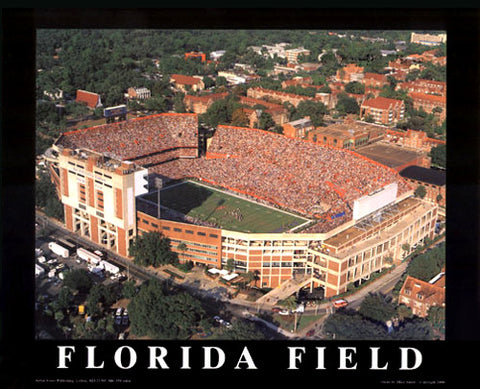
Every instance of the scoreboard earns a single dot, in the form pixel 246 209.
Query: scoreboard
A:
pixel 370 203
pixel 119 110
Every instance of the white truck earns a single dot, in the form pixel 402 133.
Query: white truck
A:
pixel 59 250
pixel 39 270
pixel 109 267
pixel 88 256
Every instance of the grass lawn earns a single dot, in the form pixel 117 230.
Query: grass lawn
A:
pixel 228 212
pixel 288 322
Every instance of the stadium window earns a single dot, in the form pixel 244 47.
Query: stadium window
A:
pixel 177 229
pixel 213 236
pixel 166 228
pixel 145 221
pixel 154 225
pixel 201 233
pixel 189 232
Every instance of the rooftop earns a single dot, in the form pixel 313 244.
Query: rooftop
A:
pixel 430 176
pixel 388 155
pixel 381 102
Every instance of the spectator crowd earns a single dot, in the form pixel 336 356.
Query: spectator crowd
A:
pixel 317 181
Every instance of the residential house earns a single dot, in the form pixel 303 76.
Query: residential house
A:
pixel 420 295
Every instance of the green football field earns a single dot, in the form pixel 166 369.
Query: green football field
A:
pixel 226 211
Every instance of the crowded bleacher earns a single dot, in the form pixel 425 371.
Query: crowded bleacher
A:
pixel 129 140
pixel 314 180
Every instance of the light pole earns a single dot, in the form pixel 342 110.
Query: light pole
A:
pixel 158 185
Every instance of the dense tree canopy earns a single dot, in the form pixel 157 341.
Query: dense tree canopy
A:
pixel 439 156
pixel 427 265
pixel 152 249
pixel 162 314
pixel 377 307
pixel 79 280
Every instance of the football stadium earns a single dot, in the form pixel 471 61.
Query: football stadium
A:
pixel 289 210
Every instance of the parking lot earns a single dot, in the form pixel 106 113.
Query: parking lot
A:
pixel 51 268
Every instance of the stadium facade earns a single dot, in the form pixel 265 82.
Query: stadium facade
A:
pixel 362 215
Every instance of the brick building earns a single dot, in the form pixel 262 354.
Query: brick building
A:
pixel 347 135
pixel 373 80
pixel 424 86
pixel 277 97
pixel 383 110
pixel 350 73
pixel 298 128
pixel 434 182
pixel 420 296
pixel 186 83
pixel 199 104
pixel 98 195
pixel 429 103
pixel 277 111
pixel 417 140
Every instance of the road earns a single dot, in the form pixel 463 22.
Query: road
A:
pixel 237 306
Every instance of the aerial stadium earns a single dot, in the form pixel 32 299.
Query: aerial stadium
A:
pixel 287 209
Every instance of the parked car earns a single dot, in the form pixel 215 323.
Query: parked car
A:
pixel 340 303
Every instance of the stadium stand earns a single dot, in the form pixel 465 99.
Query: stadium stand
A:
pixel 313 180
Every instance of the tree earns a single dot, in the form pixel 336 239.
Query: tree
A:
pixel 129 289
pixel 156 313
pixel 209 82
pixel 239 118
pixel 230 265
pixel 46 197
pixel 178 103
pixel 79 280
pixel 64 299
pixel 355 87
pixel 420 192
pixel 347 105
pixel 265 121
pixel 427 265
pixel 152 249
pixel 436 316
pixel 377 307
pixel 291 304
pixel 403 312
pixel 315 110
pixel 242 330
pixel 414 328
pixel 439 156
pixel 347 324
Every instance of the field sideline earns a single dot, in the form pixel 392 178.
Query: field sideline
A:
pixel 226 211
